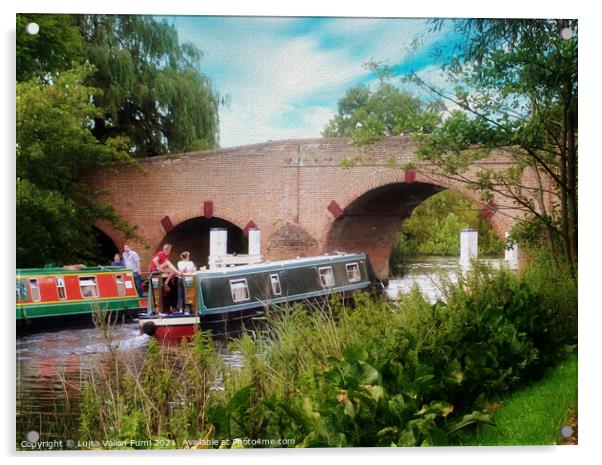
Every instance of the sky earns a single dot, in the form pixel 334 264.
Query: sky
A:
pixel 283 76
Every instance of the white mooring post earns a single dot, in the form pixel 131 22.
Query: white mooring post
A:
pixel 469 246
pixel 218 245
pixel 511 253
pixel 254 242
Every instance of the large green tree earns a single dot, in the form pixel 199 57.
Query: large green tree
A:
pixel 56 46
pixel 151 88
pixel 55 146
pixel 91 91
pixel 517 91
pixel 366 115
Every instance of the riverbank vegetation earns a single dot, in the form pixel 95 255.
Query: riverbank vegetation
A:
pixel 536 413
pixel 374 374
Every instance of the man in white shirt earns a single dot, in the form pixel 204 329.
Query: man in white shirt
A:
pixel 131 260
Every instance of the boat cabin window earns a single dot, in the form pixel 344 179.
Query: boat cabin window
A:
pixel 60 287
pixel 326 276
pixel 353 272
pixel 240 290
pixel 275 280
pixel 22 291
pixel 88 287
pixel 120 284
pixel 34 290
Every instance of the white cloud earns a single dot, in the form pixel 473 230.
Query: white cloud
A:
pixel 273 76
pixel 434 76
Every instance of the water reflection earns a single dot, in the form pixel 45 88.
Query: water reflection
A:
pixel 52 364
pixel 426 273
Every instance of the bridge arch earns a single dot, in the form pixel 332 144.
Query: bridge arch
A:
pixel 371 213
pixel 106 246
pixel 193 235
pixel 110 240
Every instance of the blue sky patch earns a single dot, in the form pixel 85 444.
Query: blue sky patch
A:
pixel 283 76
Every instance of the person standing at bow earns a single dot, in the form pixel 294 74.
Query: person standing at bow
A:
pixel 131 260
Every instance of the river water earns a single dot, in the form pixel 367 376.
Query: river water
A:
pixel 50 363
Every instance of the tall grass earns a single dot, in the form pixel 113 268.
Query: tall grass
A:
pixel 369 374
pixel 158 397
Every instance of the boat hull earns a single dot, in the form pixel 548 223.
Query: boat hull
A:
pixel 60 322
pixel 169 327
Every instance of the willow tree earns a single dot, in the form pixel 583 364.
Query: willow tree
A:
pixel 151 88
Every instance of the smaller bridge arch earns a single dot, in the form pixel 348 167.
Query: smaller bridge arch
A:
pixel 110 240
pixel 192 235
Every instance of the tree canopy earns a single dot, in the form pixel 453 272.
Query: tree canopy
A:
pixel 516 90
pixel 367 115
pixel 56 46
pixel 151 88
pixel 54 147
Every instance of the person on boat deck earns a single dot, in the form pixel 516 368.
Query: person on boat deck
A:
pixel 131 260
pixel 117 261
pixel 185 265
pixel 160 262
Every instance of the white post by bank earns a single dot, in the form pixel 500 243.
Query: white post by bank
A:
pixel 511 253
pixel 469 246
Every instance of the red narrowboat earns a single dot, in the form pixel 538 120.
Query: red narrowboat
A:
pixel 52 295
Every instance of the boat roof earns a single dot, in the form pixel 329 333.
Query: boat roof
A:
pixel 281 264
pixel 57 270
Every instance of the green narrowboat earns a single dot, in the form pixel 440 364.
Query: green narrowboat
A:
pixel 213 294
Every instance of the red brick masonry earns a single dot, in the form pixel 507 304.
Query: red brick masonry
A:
pixel 282 183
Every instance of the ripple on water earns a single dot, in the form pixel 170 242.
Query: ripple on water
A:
pixel 426 273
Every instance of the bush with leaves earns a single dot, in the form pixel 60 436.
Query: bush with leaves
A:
pixel 375 375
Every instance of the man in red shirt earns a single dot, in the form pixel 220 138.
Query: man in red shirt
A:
pixel 160 262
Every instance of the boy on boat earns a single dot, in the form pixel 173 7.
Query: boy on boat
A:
pixel 185 265
pixel 160 262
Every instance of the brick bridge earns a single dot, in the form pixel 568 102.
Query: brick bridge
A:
pixel 296 191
